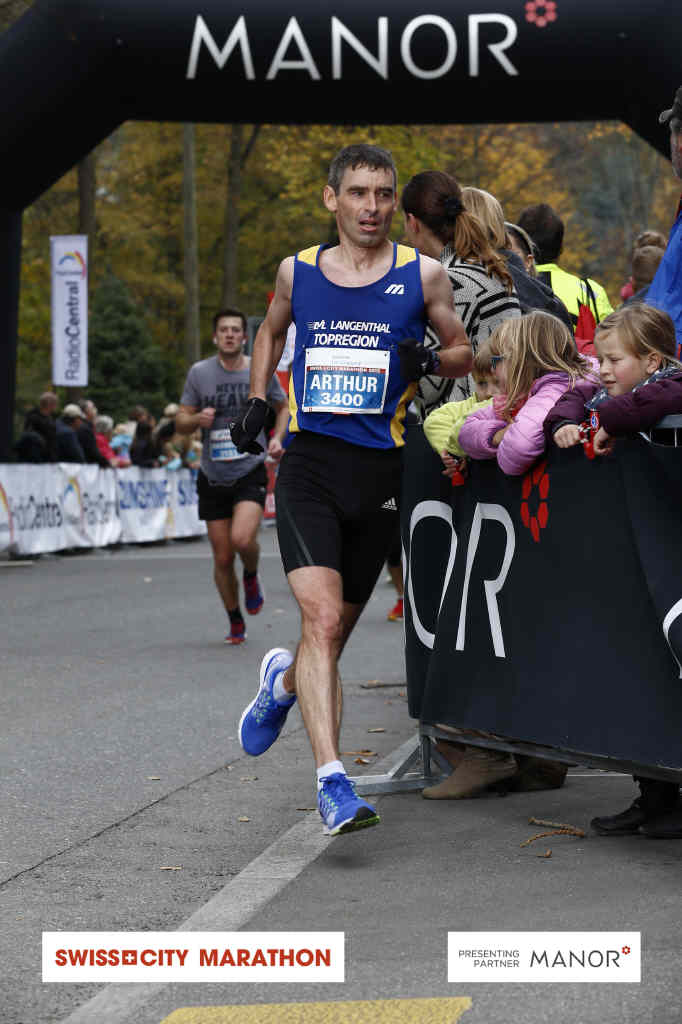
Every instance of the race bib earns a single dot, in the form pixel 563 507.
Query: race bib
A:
pixel 343 381
pixel 222 447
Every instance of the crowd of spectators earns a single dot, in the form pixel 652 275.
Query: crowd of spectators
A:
pixel 80 434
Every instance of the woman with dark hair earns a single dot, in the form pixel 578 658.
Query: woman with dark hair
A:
pixel 437 224
pixel 144 451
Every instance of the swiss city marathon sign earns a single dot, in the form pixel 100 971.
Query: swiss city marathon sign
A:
pixel 548 608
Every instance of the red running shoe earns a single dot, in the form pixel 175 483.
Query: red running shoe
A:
pixel 253 595
pixel 237 634
pixel 396 612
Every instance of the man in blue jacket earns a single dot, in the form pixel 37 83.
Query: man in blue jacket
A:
pixel 665 291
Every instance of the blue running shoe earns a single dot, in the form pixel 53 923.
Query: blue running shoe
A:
pixel 262 721
pixel 341 808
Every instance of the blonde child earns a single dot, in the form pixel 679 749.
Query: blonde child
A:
pixel 534 361
pixel 442 426
pixel 640 381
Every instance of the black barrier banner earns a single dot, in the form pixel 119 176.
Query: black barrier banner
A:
pixel 548 608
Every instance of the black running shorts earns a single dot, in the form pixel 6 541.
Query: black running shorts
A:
pixel 394 555
pixel 337 507
pixel 217 501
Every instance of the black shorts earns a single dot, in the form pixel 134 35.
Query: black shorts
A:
pixel 217 501
pixel 337 506
pixel 394 555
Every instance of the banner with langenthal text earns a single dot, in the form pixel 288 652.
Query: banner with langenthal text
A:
pixel 69 269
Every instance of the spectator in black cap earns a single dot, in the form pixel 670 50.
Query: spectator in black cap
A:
pixel 665 291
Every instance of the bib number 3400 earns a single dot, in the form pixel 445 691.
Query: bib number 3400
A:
pixel 340 381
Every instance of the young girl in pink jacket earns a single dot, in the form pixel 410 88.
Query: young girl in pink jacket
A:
pixel 534 361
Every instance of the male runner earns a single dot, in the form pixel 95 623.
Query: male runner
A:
pixel 231 485
pixel 360 310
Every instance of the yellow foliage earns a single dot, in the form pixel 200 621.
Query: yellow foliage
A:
pixel 606 183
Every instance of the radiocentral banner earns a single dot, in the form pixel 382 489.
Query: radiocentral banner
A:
pixel 60 506
pixel 69 269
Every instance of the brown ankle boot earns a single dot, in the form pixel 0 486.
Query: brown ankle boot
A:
pixel 478 769
pixel 452 752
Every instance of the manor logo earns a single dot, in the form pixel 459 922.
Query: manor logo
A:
pixel 540 957
pixel 487 38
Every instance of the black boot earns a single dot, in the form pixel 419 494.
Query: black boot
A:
pixel 667 824
pixel 656 799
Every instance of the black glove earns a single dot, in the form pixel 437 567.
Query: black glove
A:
pixel 258 416
pixel 415 360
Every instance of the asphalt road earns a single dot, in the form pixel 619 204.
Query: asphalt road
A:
pixel 119 758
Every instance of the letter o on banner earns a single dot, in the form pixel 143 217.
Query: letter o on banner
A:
pixel 429 510
pixel 406 46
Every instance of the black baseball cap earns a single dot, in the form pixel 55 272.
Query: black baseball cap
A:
pixel 675 110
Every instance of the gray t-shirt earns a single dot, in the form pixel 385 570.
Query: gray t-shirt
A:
pixel 227 391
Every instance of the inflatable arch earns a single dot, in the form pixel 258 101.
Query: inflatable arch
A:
pixel 72 70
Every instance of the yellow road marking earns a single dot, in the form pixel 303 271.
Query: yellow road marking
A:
pixel 381 1011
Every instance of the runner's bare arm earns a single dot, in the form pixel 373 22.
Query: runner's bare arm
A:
pixel 275 449
pixel 455 354
pixel 272 333
pixel 188 418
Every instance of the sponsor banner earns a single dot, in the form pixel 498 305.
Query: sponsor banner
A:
pixel 145 504
pixel 527 618
pixel 184 504
pixel 193 957
pixel 69 269
pixel 32 508
pixel 88 501
pixel 544 957
pixel 52 507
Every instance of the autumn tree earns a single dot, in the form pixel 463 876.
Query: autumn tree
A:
pixel 240 148
pixel 126 366
pixel 190 245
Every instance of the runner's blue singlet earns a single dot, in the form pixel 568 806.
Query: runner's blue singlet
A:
pixel 345 376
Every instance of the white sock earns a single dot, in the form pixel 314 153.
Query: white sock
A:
pixel 329 769
pixel 281 695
